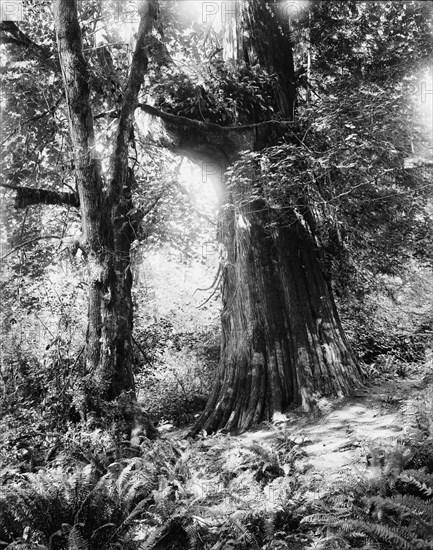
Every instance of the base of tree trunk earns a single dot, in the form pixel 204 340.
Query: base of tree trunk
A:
pixel 283 344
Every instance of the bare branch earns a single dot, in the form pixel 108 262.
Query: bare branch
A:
pixel 110 114
pixel 22 245
pixel 214 282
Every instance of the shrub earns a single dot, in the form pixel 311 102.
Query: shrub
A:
pixel 78 510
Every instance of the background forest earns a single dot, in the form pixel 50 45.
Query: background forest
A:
pixel 233 125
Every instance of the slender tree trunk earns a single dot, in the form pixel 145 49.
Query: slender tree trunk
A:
pixel 108 229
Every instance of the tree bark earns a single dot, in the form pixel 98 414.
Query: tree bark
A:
pixel 283 344
pixel 282 341
pixel 27 196
pixel 107 226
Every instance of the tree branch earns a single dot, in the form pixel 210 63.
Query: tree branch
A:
pixel 30 242
pixel 209 126
pixel 120 176
pixel 111 114
pixel 26 196
pixel 207 141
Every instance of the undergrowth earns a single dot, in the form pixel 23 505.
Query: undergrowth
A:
pixel 85 488
pixel 392 509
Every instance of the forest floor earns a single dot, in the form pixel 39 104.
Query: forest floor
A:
pixel 358 474
pixel 354 433
pixel 300 462
pixel 344 438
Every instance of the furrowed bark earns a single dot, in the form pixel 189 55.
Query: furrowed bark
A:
pixel 283 345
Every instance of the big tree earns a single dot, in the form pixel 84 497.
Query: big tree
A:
pixel 295 175
pixel 283 343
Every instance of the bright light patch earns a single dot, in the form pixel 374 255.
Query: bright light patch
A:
pixel 194 179
pixel 242 222
pixel 208 13
pixel 421 97
pixel 291 9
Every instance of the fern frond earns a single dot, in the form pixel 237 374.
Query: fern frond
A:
pixel 383 532
pixel 415 487
pixel 262 452
pixel 76 540
pixel 104 527
pixel 125 474
pixel 416 504
pixel 319 519
pixel 193 533
pixel 421 475
pixel 249 537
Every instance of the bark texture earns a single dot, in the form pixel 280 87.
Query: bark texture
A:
pixel 283 345
pixel 27 196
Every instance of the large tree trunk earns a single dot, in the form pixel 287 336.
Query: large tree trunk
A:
pixel 283 344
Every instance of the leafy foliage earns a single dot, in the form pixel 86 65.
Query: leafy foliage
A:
pixel 221 94
pixel 82 509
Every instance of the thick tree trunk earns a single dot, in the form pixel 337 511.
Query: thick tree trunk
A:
pixel 283 345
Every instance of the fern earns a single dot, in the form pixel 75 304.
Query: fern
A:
pixel 382 532
pixel 249 537
pixel 83 510
pixel 415 486
pixel 76 540
pixel 403 519
pixel 416 504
